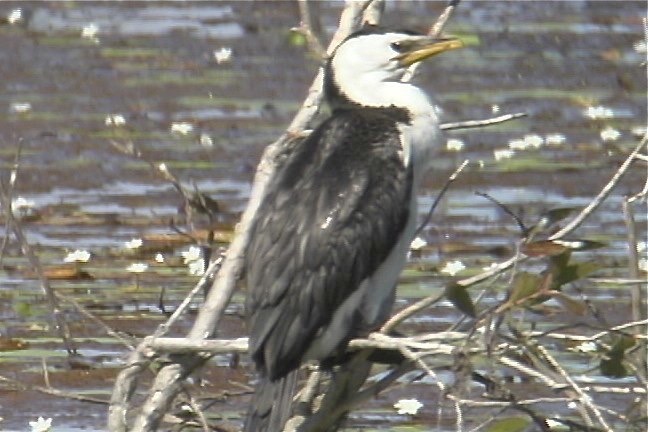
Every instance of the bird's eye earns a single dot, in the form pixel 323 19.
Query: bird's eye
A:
pixel 397 46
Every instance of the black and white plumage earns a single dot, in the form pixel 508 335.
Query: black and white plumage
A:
pixel 333 230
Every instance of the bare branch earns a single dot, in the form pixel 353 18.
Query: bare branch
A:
pixel 58 317
pixel 469 124
pixel 311 28
pixel 589 209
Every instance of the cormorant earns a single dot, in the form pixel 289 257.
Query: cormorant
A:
pixel 332 233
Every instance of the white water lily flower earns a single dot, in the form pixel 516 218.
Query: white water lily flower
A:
pixel 133 243
pixel 518 144
pixel 115 120
pixel 503 154
pixel 78 255
pixel 15 16
pixel 454 144
pixel 598 112
pixel 192 254
pixel 137 268
pixel 223 55
pixel 418 243
pixel 638 131
pixel 159 258
pixel 453 267
pixel 21 205
pixel 610 134
pixel 643 264
pixel 585 347
pixel 206 141
pixel 41 425
pixel 182 128
pixel 197 267
pixel 90 31
pixel 20 107
pixel 534 140
pixel 555 139
pixel 408 406
pixel 162 167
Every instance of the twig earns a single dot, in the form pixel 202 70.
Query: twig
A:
pixel 83 311
pixel 51 391
pixel 195 407
pixel 576 221
pixel 594 337
pixel 469 124
pixel 638 306
pixel 584 399
pixel 310 28
pixel 442 192
pixel 434 31
pixel 514 364
pixel 57 316
pixel 409 311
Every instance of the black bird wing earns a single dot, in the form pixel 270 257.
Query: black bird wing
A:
pixel 336 207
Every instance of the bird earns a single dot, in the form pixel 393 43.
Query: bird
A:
pixel 332 232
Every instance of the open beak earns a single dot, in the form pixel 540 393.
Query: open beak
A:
pixel 425 47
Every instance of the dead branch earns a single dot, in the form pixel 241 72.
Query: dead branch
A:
pixel 469 124
pixel 166 384
pixel 311 27
pixel 605 191
pixel 58 318
pixel 18 385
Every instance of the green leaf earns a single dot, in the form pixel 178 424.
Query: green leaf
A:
pixel 555 215
pixel 23 309
pixel 524 285
pixel 459 297
pixel 573 272
pixel 622 344
pixel 296 38
pixel 612 366
pixel 574 306
pixel 510 424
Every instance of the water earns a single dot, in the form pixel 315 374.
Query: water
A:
pixel 153 63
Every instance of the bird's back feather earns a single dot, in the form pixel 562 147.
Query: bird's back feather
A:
pixel 335 209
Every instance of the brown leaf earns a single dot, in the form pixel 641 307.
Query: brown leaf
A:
pixel 11 344
pixel 65 272
pixel 542 248
pixel 574 306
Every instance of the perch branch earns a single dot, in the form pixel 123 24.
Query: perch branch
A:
pixel 166 384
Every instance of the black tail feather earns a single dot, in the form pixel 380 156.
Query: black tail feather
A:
pixel 271 404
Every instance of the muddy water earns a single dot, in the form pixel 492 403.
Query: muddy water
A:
pixel 573 67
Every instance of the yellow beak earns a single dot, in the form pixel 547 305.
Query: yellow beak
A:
pixel 427 47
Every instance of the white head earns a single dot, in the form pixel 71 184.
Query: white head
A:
pixel 367 67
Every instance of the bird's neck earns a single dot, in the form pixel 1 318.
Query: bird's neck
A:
pixel 349 90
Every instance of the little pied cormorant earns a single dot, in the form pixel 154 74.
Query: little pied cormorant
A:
pixel 333 230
